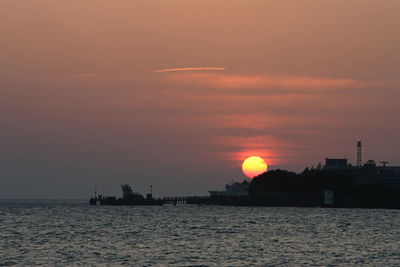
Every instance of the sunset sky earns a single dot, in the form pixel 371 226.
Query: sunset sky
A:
pixel 177 93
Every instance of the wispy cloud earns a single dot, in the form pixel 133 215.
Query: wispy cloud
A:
pixel 262 81
pixel 266 83
pixel 190 69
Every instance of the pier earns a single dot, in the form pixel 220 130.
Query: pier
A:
pixel 186 200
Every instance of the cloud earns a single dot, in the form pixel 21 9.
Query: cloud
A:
pixel 190 69
pixel 265 84
pixel 266 146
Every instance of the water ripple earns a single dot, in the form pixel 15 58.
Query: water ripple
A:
pixel 71 233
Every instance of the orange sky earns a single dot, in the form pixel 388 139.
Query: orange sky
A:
pixel 85 97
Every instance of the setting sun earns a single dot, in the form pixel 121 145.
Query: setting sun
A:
pixel 254 166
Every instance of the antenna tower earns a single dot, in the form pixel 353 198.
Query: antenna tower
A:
pixel 359 161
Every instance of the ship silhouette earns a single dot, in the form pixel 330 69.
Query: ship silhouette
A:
pixel 128 198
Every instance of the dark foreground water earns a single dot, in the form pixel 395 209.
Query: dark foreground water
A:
pixel 74 233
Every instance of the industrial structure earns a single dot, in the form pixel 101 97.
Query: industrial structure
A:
pixel 367 173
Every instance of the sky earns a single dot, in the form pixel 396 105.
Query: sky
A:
pixel 176 94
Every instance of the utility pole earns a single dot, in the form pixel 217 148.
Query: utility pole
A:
pixel 384 163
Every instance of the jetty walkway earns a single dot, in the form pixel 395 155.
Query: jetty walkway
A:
pixel 186 200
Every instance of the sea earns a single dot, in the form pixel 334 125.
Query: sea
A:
pixel 73 233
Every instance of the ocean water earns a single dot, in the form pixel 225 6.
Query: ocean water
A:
pixel 63 233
